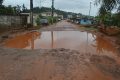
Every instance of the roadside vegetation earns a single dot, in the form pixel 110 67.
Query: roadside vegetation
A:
pixel 108 20
pixel 18 9
pixel 50 20
pixel 10 10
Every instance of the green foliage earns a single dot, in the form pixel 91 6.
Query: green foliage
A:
pixel 1 1
pixel 116 19
pixel 49 20
pixel 12 9
pixel 107 19
pixel 110 19
pixel 24 8
pixel 6 10
pixel 46 9
pixel 38 21
pixel 108 5
pixel 52 20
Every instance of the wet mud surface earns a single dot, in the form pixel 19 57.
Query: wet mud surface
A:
pixel 59 53
pixel 107 65
pixel 55 64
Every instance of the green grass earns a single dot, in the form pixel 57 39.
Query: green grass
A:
pixel 88 28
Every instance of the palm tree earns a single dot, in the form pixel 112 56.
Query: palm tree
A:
pixel 106 8
pixel 108 5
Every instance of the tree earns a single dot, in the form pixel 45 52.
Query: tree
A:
pixel 18 9
pixel 9 9
pixel 116 19
pixel 1 1
pixel 24 8
pixel 109 5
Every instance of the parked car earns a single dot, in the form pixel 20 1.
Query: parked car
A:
pixel 59 19
pixel 44 22
pixel 77 21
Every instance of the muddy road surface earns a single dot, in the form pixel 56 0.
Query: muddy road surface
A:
pixel 58 52
pixel 56 64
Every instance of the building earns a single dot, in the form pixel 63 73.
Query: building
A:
pixel 79 15
pixel 85 21
pixel 35 16
pixel 60 16
pixel 48 14
pixel 69 16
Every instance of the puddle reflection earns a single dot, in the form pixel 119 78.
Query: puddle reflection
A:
pixel 76 40
pixel 23 40
pixel 104 45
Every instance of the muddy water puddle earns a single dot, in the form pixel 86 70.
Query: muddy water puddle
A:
pixel 75 40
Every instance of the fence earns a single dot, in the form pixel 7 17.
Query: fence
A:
pixel 11 20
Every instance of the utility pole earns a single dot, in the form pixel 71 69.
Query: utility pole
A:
pixel 52 10
pixel 31 12
pixel 90 8
pixel 40 3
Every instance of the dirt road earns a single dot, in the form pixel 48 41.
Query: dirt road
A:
pixel 58 64
pixel 61 26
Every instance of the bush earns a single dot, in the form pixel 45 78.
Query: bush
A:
pixel 50 20
pixel 38 21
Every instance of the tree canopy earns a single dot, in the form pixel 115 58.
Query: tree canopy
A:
pixel 105 12
pixel 1 1
pixel 108 5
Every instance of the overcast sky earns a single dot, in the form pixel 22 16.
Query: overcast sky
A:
pixel 78 6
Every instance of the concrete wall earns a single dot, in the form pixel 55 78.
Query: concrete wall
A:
pixel 10 20
pixel 35 16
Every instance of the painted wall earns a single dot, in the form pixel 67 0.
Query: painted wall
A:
pixel 85 22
